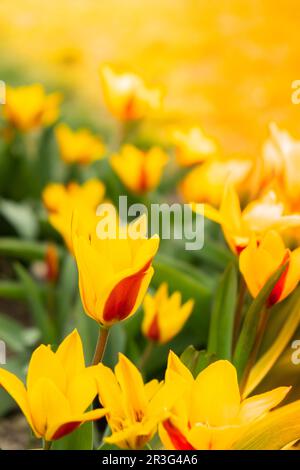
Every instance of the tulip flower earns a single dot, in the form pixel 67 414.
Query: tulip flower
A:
pixel 139 171
pixel 28 107
pixel 192 147
pixel 79 146
pixel 261 259
pixel 164 316
pixel 61 201
pixel 205 183
pixel 211 414
pixel 257 218
pixel 114 271
pixel 133 409
pixel 281 157
pixel 126 95
pixel 59 390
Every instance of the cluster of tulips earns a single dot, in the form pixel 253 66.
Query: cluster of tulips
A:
pixel 205 398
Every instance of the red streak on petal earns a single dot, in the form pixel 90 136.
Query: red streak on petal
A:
pixel 153 332
pixel 178 440
pixel 239 249
pixel 279 286
pixel 65 429
pixel 123 296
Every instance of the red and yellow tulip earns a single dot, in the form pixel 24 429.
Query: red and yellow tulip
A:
pixel 61 202
pixel 134 409
pixel 139 171
pixel 211 414
pixel 28 107
pixel 59 390
pixel 126 95
pixel 79 146
pixel 193 146
pixel 114 271
pixel 164 315
pixel 260 259
pixel 257 218
pixel 205 183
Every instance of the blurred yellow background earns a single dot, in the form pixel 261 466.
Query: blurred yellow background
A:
pixel 227 65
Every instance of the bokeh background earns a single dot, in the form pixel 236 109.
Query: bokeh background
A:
pixel 225 64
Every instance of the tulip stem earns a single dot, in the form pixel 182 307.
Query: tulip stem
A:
pixel 259 337
pixel 146 354
pixel 47 445
pixel 101 345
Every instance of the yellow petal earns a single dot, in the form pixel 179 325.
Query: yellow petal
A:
pixel 48 405
pixel 61 429
pixel 132 387
pixel 256 406
pixel 70 355
pixel 45 364
pixel 109 391
pixel 216 396
pixel 17 391
pixel 175 365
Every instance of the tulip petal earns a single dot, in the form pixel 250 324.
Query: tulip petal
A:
pixel 17 391
pixel 70 355
pixel 256 406
pixel 48 405
pixel 109 390
pixel 45 364
pixel 175 365
pixel 82 389
pixel 60 430
pixel 126 295
pixel 204 437
pixel 132 387
pixel 216 396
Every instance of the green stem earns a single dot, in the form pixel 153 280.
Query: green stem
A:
pixel 47 445
pixel 146 354
pixel 101 345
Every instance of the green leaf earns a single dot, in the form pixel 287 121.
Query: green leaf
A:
pixel 11 332
pixel 195 360
pixel 37 309
pixel 291 312
pixel 21 216
pixel 276 430
pixel 204 360
pixel 23 249
pixel 80 439
pixel 248 333
pixel 222 318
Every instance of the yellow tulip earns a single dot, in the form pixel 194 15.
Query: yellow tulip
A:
pixel 59 389
pixel 193 146
pixel 164 316
pixel 79 146
pixel 126 95
pixel 61 201
pixel 257 218
pixel 211 414
pixel 281 157
pixel 139 171
pixel 134 409
pixel 205 183
pixel 114 271
pixel 28 107
pixel 261 259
